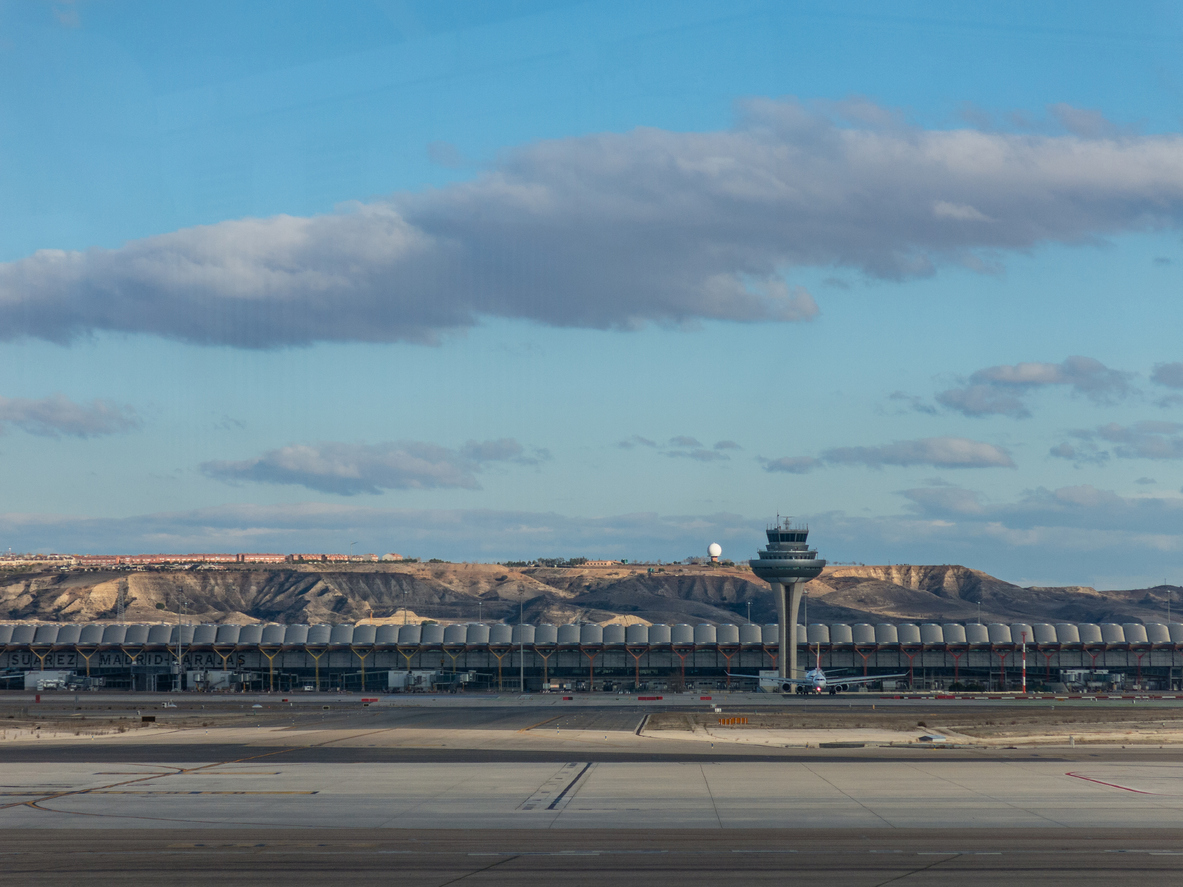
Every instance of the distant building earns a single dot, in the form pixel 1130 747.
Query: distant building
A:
pixel 392 557
pixel 36 560
pixel 318 558
pixel 262 558
pixel 97 560
pixel 147 559
pixel 601 563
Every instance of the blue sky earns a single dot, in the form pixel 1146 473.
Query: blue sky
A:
pixel 503 280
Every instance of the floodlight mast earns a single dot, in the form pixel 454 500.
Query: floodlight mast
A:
pixel 521 640
pixel 786 565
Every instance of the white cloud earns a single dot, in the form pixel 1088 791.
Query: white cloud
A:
pixel 636 441
pixel 792 464
pixel 942 209
pixel 1142 440
pixel 57 415
pixel 616 231
pixel 349 469
pixel 940 452
pixel 699 455
pixel 999 390
pixel 983 400
pixel 684 447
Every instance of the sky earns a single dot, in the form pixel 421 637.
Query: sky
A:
pixel 503 280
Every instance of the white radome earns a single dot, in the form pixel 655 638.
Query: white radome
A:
pixel 715 549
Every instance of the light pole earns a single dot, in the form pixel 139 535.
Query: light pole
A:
pixel 351 544
pixel 406 595
pixel 181 601
pixel 1171 670
pixel 749 612
pixel 979 612
pixel 521 640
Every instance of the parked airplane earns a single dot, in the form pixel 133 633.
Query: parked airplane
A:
pixel 817 681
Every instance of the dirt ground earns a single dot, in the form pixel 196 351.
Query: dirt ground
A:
pixel 988 725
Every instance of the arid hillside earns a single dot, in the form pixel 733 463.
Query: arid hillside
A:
pixel 466 592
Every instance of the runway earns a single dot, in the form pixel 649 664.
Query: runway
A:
pixel 515 793
pixel 812 858
pixel 263 789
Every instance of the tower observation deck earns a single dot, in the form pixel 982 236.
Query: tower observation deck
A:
pixel 786 564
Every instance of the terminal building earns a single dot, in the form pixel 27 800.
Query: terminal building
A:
pixel 476 656
pixel 591 657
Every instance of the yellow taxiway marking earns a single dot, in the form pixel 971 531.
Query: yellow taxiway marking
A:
pixel 539 724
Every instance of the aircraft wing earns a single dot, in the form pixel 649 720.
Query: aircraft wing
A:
pixel 869 679
pixel 767 678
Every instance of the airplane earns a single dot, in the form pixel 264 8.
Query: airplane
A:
pixel 816 680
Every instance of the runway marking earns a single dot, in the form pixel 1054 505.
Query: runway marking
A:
pixel 1109 784
pixel 478 871
pixel 707 784
pixel 539 724
pixel 195 792
pixel 48 797
pixel 555 803
pixel 551 790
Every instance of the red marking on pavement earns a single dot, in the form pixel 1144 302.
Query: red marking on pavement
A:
pixel 646 698
pixel 1110 784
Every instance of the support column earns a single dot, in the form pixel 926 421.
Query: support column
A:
pixel 793 594
pixel 788 604
pixel 783 666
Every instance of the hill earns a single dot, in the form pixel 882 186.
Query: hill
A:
pixel 464 592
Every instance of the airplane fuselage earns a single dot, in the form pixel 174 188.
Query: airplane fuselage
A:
pixel 815 682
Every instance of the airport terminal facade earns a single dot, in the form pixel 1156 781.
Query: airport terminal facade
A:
pixel 480 657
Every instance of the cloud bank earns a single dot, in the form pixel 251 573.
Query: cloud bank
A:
pixel 57 415
pixel 616 231
pixel 349 469
pixel 456 534
pixel 1082 507
pixel 1062 536
pixel 938 452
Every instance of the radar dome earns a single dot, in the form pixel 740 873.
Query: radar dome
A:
pixel 714 550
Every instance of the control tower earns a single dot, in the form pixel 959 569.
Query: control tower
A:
pixel 787 564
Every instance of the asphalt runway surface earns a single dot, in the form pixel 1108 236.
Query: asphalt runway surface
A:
pixel 511 792
pixel 415 858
